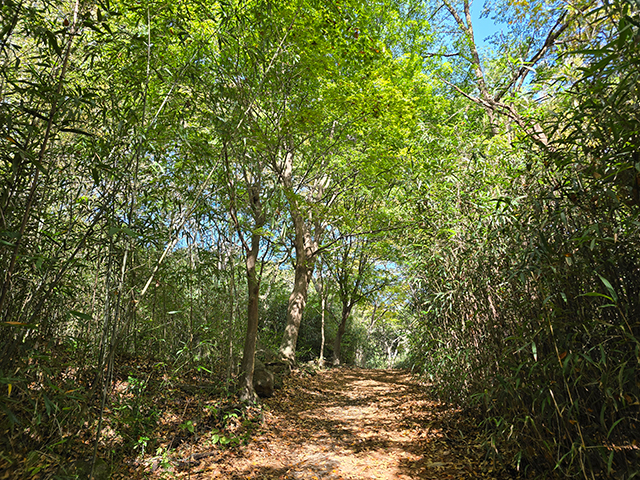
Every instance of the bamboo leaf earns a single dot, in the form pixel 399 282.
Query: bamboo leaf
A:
pixel 609 287
pixel 83 316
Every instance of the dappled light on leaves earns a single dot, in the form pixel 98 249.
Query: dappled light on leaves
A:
pixel 205 204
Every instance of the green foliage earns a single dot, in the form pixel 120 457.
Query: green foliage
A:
pixel 136 415
pixel 229 437
pixel 527 298
pixel 273 315
pixel 141 143
pixel 38 402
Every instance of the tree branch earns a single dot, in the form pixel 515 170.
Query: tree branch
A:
pixel 534 131
pixel 526 68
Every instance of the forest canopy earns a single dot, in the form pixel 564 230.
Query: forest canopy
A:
pixel 214 185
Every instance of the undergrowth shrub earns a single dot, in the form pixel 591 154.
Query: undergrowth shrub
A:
pixel 531 315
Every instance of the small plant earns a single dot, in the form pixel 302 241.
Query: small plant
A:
pixel 188 427
pixel 141 445
pixel 219 438
pixel 165 462
pixel 136 386
pixel 212 409
pixel 136 414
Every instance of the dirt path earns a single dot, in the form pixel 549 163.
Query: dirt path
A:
pixel 354 424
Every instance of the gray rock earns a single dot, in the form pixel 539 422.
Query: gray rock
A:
pixel 280 371
pixel 263 380
pixel 101 470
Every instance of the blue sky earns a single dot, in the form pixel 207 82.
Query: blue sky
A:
pixel 482 27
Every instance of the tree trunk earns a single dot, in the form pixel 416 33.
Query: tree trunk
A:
pixel 253 182
pixel 247 393
pixel 322 306
pixel 296 305
pixel 337 345
pixel 232 367
pixel 321 290
pixel 305 247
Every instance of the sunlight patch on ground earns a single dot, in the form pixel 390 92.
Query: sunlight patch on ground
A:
pixel 349 424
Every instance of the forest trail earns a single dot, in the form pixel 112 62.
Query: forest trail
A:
pixel 355 424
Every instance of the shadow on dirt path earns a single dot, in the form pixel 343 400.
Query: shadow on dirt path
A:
pixel 356 424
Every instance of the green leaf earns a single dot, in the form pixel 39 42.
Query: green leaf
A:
pixel 53 42
pixel 76 130
pixel 188 426
pixel 130 232
pixel 38 165
pixel 609 287
pixel 610 461
pixel 614 426
pixel 83 316
pixel 95 174
pixel 595 294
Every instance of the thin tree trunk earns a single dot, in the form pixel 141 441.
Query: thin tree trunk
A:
pixel 247 394
pixel 232 294
pixel 321 291
pixel 106 323
pixel 337 344
pixel 323 303
pixel 43 149
pixel 245 387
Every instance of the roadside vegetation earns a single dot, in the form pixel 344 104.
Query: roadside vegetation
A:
pixel 200 197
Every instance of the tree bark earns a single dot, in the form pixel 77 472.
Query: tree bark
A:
pixel 252 251
pixel 323 302
pixel 337 344
pixel 305 246
pixel 247 393
pixel 298 299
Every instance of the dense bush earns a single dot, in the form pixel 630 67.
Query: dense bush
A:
pixel 533 311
